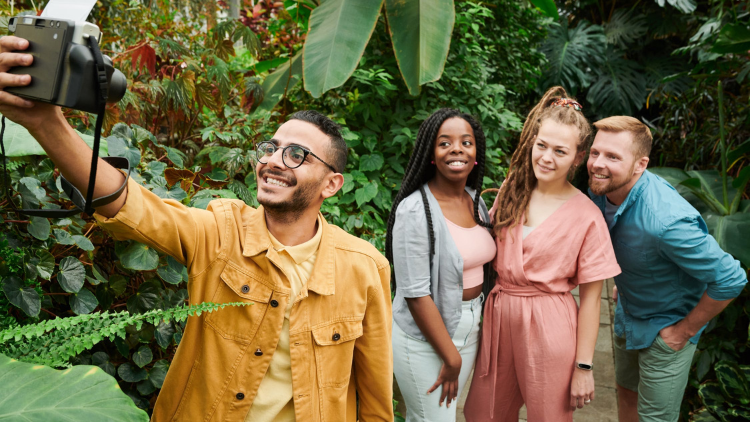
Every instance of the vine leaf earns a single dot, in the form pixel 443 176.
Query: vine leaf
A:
pixel 71 275
pixel 83 302
pixel 142 356
pixel 131 373
pixel 46 265
pixel 24 297
pixel 371 162
pixel 39 228
pixel 139 257
pixel 158 373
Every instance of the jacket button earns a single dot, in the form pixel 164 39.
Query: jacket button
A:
pixel 240 396
pixel 245 288
pixel 336 336
pixel 274 303
pixel 258 352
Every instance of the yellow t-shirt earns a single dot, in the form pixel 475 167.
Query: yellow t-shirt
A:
pixel 274 403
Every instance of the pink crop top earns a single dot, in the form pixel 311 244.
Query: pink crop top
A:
pixel 477 247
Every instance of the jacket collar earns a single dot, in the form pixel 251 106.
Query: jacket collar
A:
pixel 483 212
pixel 257 241
pixel 633 196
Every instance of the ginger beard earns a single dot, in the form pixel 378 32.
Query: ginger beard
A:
pixel 601 181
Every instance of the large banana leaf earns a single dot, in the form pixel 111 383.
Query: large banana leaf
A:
pixel 19 142
pixel 421 35
pixel 620 87
pixel 279 82
pixel 82 393
pixel 703 189
pixel 570 52
pixel 339 32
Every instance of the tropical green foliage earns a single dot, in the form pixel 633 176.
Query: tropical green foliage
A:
pixel 202 95
pixel 728 400
pixel 37 393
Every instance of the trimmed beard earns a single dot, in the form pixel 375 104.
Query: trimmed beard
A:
pixel 290 210
pixel 613 185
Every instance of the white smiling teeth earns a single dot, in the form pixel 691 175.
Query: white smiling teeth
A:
pixel 600 176
pixel 456 164
pixel 276 182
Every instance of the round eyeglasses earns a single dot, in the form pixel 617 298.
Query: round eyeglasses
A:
pixel 291 155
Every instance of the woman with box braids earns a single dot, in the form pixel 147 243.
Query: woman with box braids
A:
pixel 537 346
pixel 439 240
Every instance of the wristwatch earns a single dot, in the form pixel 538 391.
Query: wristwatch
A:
pixel 584 366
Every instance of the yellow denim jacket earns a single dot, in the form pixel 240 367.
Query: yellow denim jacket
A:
pixel 340 332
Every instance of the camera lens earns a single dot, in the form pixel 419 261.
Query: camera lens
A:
pixel 118 84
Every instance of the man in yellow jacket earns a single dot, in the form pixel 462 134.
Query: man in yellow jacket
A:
pixel 315 345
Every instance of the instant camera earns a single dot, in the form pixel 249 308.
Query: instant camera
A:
pixel 64 71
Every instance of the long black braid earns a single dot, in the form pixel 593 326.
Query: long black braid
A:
pixel 420 170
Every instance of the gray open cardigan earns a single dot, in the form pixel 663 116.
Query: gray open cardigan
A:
pixel 417 274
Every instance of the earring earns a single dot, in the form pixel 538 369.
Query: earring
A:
pixel 432 162
pixel 476 162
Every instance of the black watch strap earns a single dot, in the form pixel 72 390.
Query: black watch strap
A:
pixel 585 366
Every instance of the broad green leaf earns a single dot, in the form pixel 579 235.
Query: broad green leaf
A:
pixel 176 156
pixel 71 275
pixel 39 228
pixel 570 52
pixel 731 232
pixel 738 152
pixel 421 35
pixel 83 242
pixel 131 373
pixel 547 7
pixel 63 237
pixel 267 65
pixel 164 333
pixel 703 364
pixel 171 272
pixel 34 187
pixel 348 183
pixel 733 382
pixel 371 162
pixel 712 397
pixel 19 142
pixel 175 192
pixel 684 6
pixel 142 356
pixel 81 393
pixel 625 28
pixel 101 360
pixel 138 256
pixel 158 373
pixel 339 31
pixel 83 302
pixel 174 299
pixel 46 265
pixel 118 283
pixel 280 82
pixel 146 299
pixel 366 194
pixel 145 387
pixel 121 147
pixel 24 297
pixel 620 87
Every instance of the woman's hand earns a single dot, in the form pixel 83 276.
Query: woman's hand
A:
pixel 581 388
pixel 448 378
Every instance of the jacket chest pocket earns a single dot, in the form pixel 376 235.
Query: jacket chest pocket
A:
pixel 239 322
pixel 334 352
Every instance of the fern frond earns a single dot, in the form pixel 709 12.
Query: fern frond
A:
pixel 54 342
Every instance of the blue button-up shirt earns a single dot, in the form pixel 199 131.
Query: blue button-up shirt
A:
pixel 668 261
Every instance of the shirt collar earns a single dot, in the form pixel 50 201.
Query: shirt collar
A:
pixel 302 252
pixel 258 240
pixel 633 195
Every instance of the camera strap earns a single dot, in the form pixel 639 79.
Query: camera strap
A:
pixel 82 204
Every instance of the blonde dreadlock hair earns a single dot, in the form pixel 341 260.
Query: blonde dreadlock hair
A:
pixel 513 199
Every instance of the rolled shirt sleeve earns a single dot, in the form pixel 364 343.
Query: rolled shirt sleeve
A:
pixel 688 244
pixel 411 250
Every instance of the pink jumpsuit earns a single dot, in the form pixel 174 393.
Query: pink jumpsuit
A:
pixel 528 345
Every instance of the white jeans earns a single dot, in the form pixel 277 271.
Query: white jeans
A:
pixel 417 366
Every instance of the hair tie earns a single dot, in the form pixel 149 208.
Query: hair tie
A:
pixel 567 102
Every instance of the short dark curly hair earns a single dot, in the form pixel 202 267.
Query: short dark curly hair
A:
pixel 338 150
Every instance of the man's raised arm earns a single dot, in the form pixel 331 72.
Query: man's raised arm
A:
pixel 47 125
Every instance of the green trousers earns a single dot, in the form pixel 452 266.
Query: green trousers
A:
pixel 658 373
